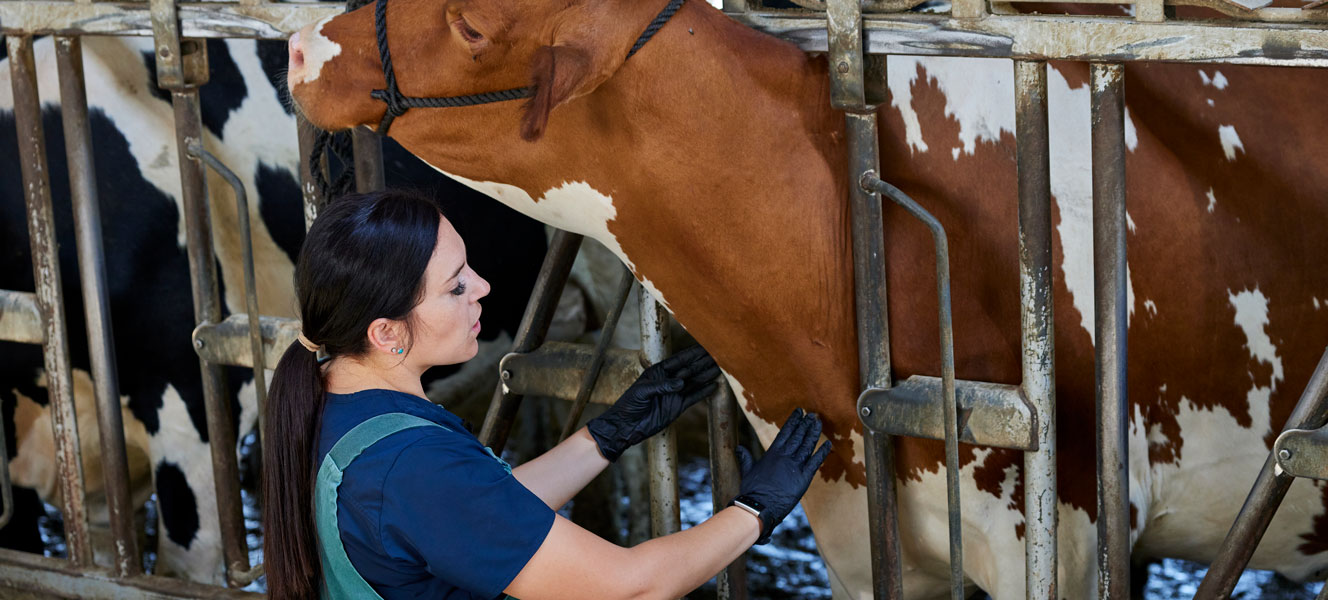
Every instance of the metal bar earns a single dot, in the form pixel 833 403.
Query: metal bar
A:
pixel 1265 496
pixel 725 479
pixel 367 148
pixel 267 21
pixel 207 309
pixel 625 284
pixel 50 295
pixel 1050 37
pixel 1037 327
pixel 990 414
pixel 96 305
pixel 313 201
pixel 1113 518
pixel 530 334
pixel 557 369
pixel 20 318
pixel 196 151
pixel 661 448
pixel 871 182
pixel 33 574
pixel 227 342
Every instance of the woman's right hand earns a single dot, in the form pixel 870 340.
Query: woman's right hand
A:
pixel 773 485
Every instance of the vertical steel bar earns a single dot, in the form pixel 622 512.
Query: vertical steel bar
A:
pixel 530 334
pixel 207 309
pixel 367 148
pixel 50 295
pixel 196 150
pixel 92 275
pixel 625 283
pixel 725 479
pixel 1036 325
pixel 873 353
pixel 661 448
pixel 949 404
pixel 1265 496
pixel 1108 141
pixel 308 189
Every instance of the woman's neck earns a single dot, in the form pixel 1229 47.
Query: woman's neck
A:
pixel 347 375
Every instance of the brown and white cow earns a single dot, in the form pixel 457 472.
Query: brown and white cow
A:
pixel 712 164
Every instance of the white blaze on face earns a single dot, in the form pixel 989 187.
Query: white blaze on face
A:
pixel 574 206
pixel 1069 120
pixel 1230 141
pixel 967 84
pixel 317 51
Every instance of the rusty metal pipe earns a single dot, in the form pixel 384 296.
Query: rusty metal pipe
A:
pixel 195 150
pixel 313 201
pixel 661 448
pixel 1265 496
pixel 871 182
pixel 50 295
pixel 1107 82
pixel 530 334
pixel 873 355
pixel 367 150
pixel 597 358
pixel 207 310
pixel 92 275
pixel 1037 327
pixel 725 480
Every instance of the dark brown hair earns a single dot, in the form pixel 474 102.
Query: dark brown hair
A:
pixel 363 259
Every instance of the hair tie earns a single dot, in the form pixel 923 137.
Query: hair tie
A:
pixel 308 345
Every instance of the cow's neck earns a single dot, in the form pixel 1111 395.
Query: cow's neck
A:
pixel 750 251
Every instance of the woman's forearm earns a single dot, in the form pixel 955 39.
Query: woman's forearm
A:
pixel 679 563
pixel 564 470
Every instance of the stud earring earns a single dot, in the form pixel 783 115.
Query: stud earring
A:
pixel 399 350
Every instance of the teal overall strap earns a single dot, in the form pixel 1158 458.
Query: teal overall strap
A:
pixel 340 579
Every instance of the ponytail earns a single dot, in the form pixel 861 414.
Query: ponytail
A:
pixel 362 259
pixel 293 419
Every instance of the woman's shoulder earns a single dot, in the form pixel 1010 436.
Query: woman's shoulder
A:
pixel 344 412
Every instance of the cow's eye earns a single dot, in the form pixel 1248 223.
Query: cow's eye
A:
pixel 467 32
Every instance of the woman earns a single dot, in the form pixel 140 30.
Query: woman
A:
pixel 405 502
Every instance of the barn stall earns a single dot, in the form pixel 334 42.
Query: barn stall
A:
pixel 857 38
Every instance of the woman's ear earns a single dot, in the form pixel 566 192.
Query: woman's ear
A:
pixel 558 73
pixel 386 335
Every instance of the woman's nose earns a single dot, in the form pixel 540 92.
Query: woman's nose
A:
pixel 483 287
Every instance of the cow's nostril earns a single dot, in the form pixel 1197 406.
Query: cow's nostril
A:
pixel 296 54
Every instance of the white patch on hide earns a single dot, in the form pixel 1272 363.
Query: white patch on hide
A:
pixel 1204 77
pixel 1210 102
pixel 573 206
pixel 317 51
pixel 1230 141
pixel 1212 200
pixel 1131 134
pixel 1152 307
pixel 966 84
pixel 1252 318
pixel 178 442
pixel 1072 185
pixel 1219 80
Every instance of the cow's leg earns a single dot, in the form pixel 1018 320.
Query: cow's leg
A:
pixel 189 543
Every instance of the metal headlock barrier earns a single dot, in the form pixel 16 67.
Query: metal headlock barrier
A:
pixel 857 37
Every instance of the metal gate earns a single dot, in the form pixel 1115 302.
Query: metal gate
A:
pixel 1019 417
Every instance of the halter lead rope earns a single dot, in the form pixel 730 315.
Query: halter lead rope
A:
pixel 398 103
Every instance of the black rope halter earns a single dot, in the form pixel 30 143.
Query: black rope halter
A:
pixel 398 103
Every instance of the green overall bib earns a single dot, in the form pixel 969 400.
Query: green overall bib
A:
pixel 340 579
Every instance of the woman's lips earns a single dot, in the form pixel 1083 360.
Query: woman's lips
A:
pixel 475 328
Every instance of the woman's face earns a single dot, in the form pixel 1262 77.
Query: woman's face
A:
pixel 447 319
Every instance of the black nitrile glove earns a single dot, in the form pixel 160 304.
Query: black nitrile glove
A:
pixel 773 486
pixel 660 394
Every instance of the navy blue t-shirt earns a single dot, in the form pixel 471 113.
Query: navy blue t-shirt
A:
pixel 426 512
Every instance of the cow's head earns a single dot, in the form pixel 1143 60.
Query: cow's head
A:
pixel 564 49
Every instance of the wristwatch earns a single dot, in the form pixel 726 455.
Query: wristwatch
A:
pixel 749 504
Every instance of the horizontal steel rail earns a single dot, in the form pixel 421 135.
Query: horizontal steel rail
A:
pixel 557 370
pixel 54 577
pixel 267 21
pixel 990 414
pixel 1049 37
pixel 227 342
pixel 20 318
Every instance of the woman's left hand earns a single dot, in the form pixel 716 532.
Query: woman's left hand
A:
pixel 659 396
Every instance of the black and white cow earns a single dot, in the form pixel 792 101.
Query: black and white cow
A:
pixel 250 129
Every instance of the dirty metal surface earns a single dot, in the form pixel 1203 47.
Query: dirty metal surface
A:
pixel 990 414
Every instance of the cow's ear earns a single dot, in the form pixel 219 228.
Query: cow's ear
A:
pixel 558 73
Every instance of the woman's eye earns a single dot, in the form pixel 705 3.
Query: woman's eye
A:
pixel 459 290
